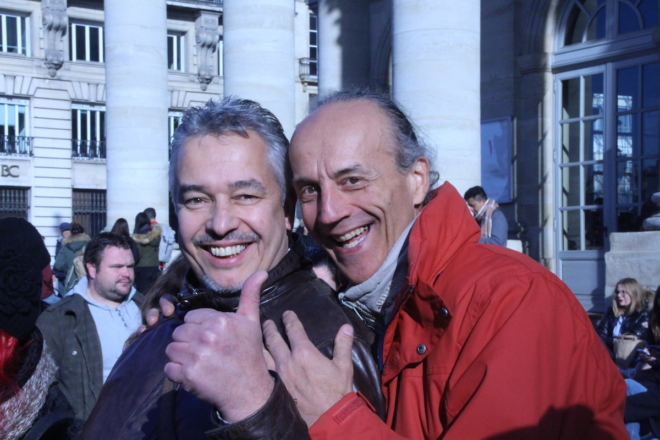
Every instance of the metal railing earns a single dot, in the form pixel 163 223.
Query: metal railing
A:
pixel 90 210
pixel 308 70
pixel 14 202
pixel 87 149
pixel 16 145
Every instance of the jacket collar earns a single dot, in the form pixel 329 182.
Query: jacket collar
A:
pixel 195 296
pixel 444 226
pixel 75 238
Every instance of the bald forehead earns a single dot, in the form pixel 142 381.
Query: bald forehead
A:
pixel 343 114
pixel 352 122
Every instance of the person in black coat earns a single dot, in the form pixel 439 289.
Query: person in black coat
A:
pixel 642 413
pixel 31 405
pixel 628 314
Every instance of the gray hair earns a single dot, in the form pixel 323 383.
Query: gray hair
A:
pixel 409 147
pixel 233 115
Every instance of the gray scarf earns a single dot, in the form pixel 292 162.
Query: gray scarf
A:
pixel 371 299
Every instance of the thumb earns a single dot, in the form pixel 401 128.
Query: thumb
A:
pixel 343 347
pixel 248 304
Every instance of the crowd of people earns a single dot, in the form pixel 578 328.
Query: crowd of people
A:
pixel 396 317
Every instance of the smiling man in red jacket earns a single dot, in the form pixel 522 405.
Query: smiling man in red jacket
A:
pixel 475 341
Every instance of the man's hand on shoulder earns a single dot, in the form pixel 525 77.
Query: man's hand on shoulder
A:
pixel 167 309
pixel 219 357
pixel 315 382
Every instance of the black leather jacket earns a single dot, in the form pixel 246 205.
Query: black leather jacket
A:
pixel 137 402
pixel 637 323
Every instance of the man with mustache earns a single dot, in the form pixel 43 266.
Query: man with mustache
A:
pixel 230 182
pixel 474 341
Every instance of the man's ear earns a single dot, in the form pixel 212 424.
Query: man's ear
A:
pixel 290 209
pixel 91 270
pixel 419 181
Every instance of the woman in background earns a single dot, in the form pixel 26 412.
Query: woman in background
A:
pixel 628 314
pixel 147 237
pixel 121 227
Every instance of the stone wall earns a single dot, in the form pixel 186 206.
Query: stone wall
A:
pixel 635 255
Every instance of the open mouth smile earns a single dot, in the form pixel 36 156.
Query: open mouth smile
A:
pixel 226 251
pixel 353 238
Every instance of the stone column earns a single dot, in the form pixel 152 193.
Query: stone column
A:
pixel 136 105
pixel 436 77
pixel 343 44
pixel 259 57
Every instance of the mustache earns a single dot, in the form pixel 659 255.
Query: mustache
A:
pixel 231 236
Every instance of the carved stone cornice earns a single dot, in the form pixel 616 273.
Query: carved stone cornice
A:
pixel 55 23
pixel 206 37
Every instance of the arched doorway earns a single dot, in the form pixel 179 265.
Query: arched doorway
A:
pixel 607 124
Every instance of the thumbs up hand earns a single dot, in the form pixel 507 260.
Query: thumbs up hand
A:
pixel 219 356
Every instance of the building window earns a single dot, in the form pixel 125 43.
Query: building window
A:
pixel 175 52
pixel 173 121
pixel 221 63
pixel 89 209
pixel 88 131
pixel 591 20
pixel 14 35
pixel 313 45
pixel 13 127
pixel 607 133
pixel 14 202
pixel 86 43
pixel 309 66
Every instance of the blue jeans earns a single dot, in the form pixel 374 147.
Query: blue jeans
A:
pixel 633 427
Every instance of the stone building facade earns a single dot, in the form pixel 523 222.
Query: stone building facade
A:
pixel 90 95
pixel 552 105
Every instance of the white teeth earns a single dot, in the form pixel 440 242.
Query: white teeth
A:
pixel 227 251
pixel 351 244
pixel 344 238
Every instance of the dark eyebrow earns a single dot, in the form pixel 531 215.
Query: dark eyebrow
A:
pixel 187 188
pixel 249 183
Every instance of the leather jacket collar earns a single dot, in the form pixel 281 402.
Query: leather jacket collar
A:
pixel 195 296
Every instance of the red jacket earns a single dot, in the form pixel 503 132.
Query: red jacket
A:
pixel 487 345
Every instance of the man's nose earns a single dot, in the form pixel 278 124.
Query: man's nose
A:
pixel 222 219
pixel 332 207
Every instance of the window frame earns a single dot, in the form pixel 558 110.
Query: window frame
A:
pixel 25 196
pixel 97 142
pixel 22 29
pixel 179 42
pixel 313 61
pixel 94 215
pixel 73 46
pixel 220 56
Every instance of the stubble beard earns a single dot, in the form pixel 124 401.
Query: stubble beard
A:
pixel 225 292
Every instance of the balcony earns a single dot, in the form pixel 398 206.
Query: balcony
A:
pixel 208 5
pixel 16 145
pixel 86 149
pixel 308 70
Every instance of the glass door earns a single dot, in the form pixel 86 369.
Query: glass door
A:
pixel 607 150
